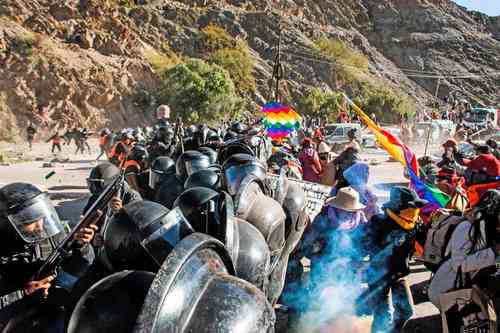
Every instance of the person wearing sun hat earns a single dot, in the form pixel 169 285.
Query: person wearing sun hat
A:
pixel 390 243
pixel 331 243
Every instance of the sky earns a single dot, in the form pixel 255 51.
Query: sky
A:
pixel 490 7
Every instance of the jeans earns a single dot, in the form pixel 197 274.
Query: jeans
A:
pixel 401 301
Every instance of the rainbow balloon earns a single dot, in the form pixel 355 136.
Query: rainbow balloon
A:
pixel 280 120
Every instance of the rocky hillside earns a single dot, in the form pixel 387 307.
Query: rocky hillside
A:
pixel 96 62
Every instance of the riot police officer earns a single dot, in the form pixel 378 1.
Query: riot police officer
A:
pixel 188 163
pixel 30 229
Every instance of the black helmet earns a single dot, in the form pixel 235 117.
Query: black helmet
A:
pixel 195 291
pixel 107 308
pixel 233 149
pixel 197 204
pixel 29 211
pixel 239 166
pixel 200 136
pixel 160 168
pixel 191 130
pixel 210 153
pixel 209 178
pixel 141 235
pixel 190 162
pixel 127 135
pixel 239 128
pixel 101 176
pixel 230 135
pixel 105 131
pixel 139 154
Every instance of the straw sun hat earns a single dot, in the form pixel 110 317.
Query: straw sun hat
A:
pixel 346 199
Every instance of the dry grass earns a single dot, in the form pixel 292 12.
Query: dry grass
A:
pixel 161 61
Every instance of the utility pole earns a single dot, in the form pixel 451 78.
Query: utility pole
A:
pixel 278 68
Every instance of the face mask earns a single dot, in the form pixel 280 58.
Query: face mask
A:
pixel 410 214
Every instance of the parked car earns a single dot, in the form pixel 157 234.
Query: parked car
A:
pixel 368 139
pixel 336 134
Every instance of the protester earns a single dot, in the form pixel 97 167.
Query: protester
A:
pixel 473 248
pixel 390 242
pixel 484 168
pixel 451 158
pixel 357 177
pixel 328 168
pixel 309 159
pixel 56 142
pixel 104 143
pixel 332 244
pixel 343 162
pixel 30 134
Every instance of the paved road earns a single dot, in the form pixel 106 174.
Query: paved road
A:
pixel 67 188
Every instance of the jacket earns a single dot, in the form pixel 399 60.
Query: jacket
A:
pixel 390 247
pixel 458 248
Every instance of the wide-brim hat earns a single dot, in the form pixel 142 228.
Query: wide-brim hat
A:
pixel 403 197
pixel 346 199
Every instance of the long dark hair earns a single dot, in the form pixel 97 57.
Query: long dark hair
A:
pixel 488 210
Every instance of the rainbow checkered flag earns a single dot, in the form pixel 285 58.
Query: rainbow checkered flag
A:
pixel 280 120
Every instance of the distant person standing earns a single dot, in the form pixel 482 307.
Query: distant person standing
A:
pixel 56 142
pixel 31 131
pixel 163 115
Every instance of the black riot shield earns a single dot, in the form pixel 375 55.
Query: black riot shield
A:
pixel 195 290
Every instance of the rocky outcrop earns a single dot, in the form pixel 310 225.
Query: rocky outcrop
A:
pixel 80 62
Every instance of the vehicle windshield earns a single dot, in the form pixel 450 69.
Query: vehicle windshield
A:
pixel 477 116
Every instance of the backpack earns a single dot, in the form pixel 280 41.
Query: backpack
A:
pixel 442 223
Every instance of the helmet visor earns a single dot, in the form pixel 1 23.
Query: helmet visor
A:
pixel 196 165
pixel 95 186
pixel 171 229
pixel 155 178
pixel 36 221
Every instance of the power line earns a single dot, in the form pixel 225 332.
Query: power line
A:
pixel 413 75
pixel 310 55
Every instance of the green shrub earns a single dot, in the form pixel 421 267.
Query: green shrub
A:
pixel 214 38
pixel 320 103
pixel 240 65
pixel 197 90
pixel 24 42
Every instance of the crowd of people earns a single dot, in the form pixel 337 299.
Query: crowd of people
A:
pixel 200 238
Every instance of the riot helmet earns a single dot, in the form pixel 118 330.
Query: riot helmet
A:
pixel 237 167
pixel 29 211
pixel 210 178
pixel 101 176
pixel 112 304
pixel 160 168
pixel 191 130
pixel 195 291
pixel 200 136
pixel 239 128
pixel 198 205
pixel 141 235
pixel 189 162
pixel 230 135
pixel 210 153
pixel 139 154
pixel 233 149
